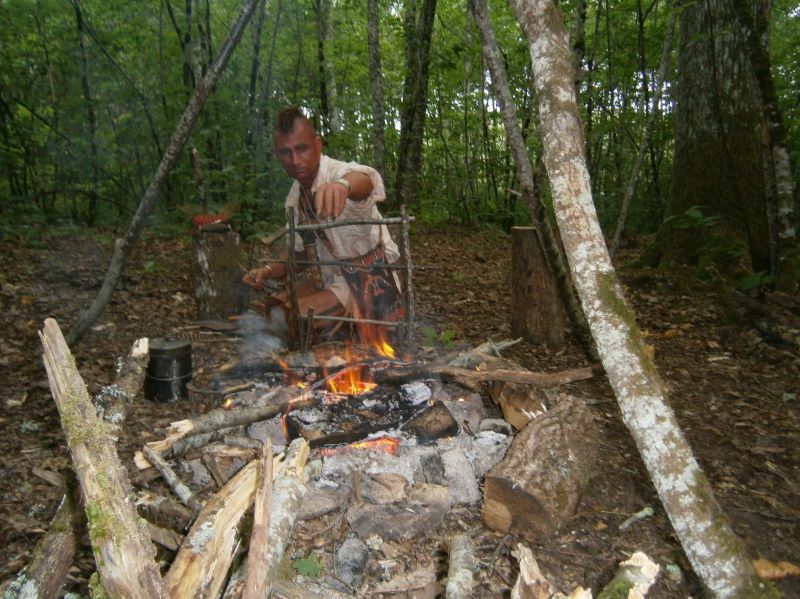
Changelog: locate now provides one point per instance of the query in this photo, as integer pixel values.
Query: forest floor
(734, 391)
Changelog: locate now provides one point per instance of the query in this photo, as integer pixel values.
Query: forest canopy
(90, 92)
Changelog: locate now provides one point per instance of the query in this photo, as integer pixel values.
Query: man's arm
(330, 197)
(272, 270)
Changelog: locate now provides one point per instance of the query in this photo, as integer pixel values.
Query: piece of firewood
(461, 568)
(538, 484)
(255, 586)
(221, 418)
(530, 584)
(633, 579)
(202, 562)
(51, 559)
(114, 402)
(397, 374)
(164, 536)
(164, 512)
(183, 492)
(123, 552)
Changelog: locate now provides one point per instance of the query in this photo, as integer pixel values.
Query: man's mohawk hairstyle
(288, 117)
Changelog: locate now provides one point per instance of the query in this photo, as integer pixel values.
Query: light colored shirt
(350, 241)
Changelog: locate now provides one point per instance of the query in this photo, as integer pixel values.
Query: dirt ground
(733, 387)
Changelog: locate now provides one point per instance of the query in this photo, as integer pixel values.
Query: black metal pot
(169, 369)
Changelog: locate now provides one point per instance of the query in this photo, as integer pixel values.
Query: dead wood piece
(164, 512)
(284, 399)
(465, 376)
(164, 536)
(255, 585)
(202, 562)
(123, 552)
(114, 402)
(183, 492)
(51, 559)
(634, 578)
(539, 482)
(531, 584)
(462, 567)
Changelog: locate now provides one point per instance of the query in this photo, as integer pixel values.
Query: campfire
(380, 447)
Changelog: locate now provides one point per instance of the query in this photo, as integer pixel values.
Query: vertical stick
(409, 285)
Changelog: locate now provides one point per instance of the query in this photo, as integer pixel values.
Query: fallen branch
(183, 492)
(461, 568)
(122, 549)
(398, 374)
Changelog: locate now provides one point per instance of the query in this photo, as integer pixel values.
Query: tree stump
(220, 292)
(539, 482)
(537, 313)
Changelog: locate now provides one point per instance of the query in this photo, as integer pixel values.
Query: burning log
(123, 552)
(461, 568)
(539, 482)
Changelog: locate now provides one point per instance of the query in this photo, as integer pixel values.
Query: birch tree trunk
(715, 553)
(376, 81)
(168, 160)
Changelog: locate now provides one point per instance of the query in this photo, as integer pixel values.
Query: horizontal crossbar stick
(386, 323)
(347, 223)
(349, 263)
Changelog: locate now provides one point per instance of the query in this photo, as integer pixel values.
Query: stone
(460, 477)
(383, 487)
(351, 560)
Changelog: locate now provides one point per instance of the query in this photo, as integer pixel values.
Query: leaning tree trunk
(525, 176)
(376, 81)
(150, 198)
(715, 553)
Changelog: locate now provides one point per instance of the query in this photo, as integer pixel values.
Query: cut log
(537, 313)
(255, 585)
(122, 549)
(539, 482)
(461, 570)
(220, 292)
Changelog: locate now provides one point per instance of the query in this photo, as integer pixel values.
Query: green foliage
(756, 280)
(692, 218)
(310, 565)
(431, 337)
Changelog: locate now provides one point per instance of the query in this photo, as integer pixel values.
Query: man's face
(299, 151)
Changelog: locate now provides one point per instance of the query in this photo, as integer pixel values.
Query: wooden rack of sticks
(303, 323)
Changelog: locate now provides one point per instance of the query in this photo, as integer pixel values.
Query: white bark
(715, 553)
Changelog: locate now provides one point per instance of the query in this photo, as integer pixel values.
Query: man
(328, 190)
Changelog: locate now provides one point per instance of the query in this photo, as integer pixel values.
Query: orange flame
(352, 381)
(390, 445)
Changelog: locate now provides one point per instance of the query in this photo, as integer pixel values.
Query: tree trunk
(124, 555)
(220, 292)
(715, 553)
(645, 143)
(536, 310)
(525, 173)
(418, 33)
(329, 100)
(254, 107)
(150, 198)
(718, 150)
(783, 237)
(376, 81)
(91, 119)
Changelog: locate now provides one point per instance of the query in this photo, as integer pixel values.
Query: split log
(164, 536)
(164, 512)
(255, 585)
(633, 579)
(530, 584)
(123, 552)
(537, 313)
(202, 563)
(461, 568)
(220, 292)
(539, 482)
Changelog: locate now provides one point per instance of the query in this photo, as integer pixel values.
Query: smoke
(261, 336)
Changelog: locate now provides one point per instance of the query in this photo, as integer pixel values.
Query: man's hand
(330, 199)
(255, 277)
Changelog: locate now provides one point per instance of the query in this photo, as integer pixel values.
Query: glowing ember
(390, 445)
(229, 403)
